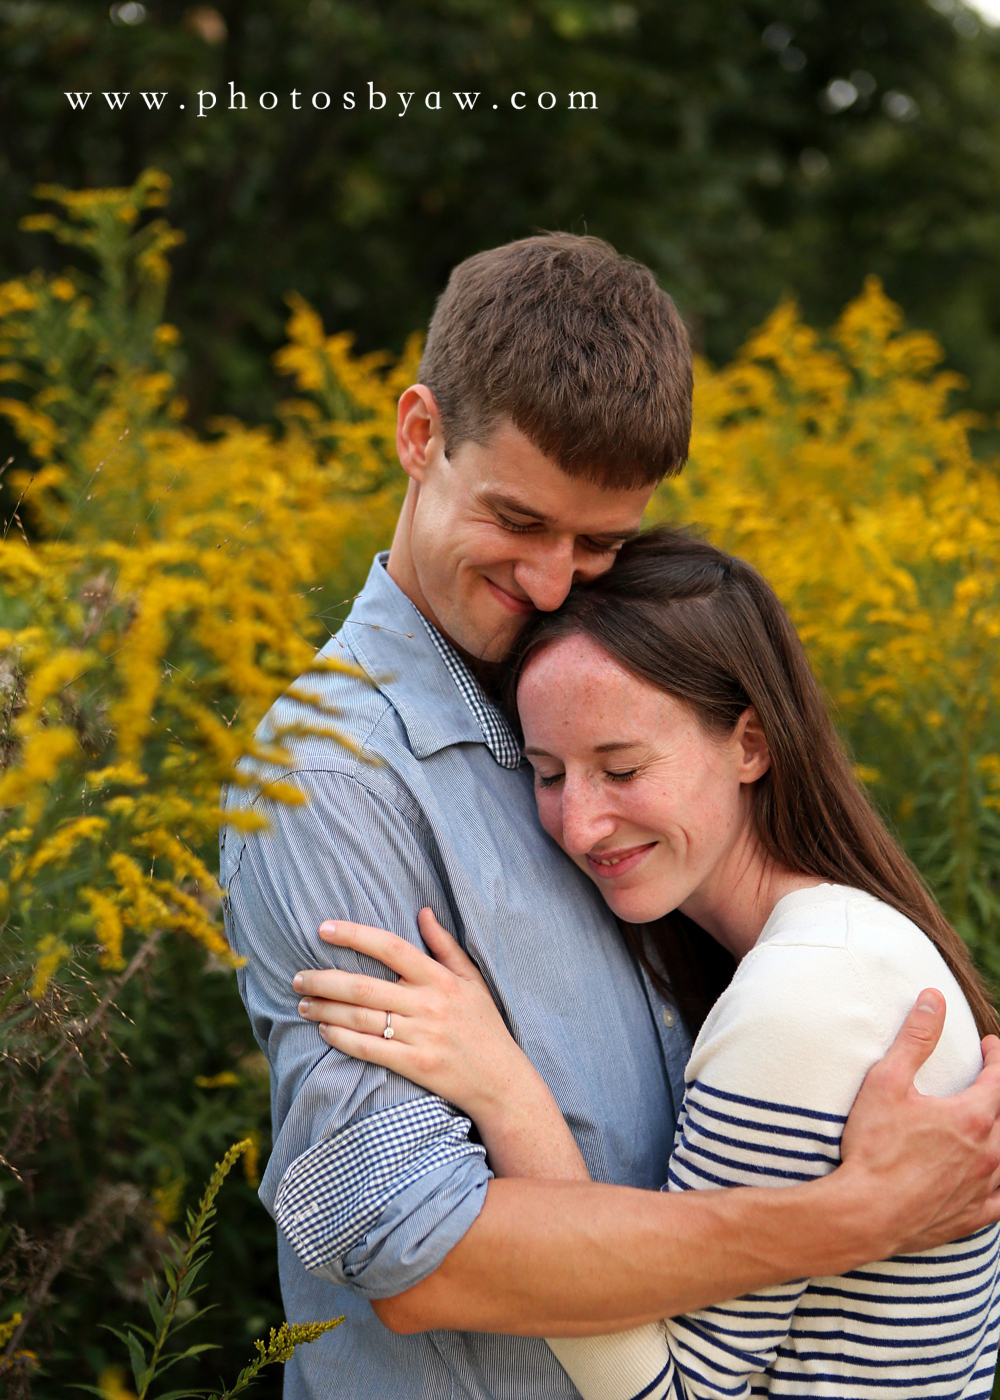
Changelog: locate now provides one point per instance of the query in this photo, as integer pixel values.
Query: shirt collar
(430, 686)
(497, 733)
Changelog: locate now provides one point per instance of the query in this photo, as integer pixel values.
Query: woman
(684, 759)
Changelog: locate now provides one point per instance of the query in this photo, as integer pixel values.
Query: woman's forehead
(575, 683)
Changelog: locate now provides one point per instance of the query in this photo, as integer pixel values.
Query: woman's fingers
(388, 948)
(373, 1048)
(330, 984)
(362, 1019)
(446, 949)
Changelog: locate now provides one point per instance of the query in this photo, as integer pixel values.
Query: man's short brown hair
(573, 343)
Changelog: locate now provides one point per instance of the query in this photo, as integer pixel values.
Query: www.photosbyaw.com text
(373, 100)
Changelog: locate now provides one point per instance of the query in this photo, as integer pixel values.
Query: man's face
(498, 531)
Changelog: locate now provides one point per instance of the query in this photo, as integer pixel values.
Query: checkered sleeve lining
(331, 1196)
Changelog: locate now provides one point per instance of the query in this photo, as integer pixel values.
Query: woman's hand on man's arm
(448, 1037)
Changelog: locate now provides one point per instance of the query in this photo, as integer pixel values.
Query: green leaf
(190, 1276)
(153, 1303)
(137, 1356)
(164, 1364)
(194, 1317)
(11, 1021)
(115, 1331)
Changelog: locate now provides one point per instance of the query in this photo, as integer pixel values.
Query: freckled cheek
(650, 810)
(550, 813)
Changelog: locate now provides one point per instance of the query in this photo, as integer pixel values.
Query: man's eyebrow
(497, 500)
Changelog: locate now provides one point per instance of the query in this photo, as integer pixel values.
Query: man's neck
(491, 675)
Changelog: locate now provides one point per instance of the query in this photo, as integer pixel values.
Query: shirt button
(668, 1017)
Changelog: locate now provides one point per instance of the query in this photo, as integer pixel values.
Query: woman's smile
(612, 865)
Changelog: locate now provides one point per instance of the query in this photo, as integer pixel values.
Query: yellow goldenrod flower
(52, 953)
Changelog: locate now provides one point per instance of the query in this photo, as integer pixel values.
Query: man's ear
(755, 757)
(418, 430)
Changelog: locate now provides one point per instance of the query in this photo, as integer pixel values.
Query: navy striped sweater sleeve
(770, 1083)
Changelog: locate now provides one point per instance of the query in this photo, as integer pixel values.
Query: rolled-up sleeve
(372, 1180)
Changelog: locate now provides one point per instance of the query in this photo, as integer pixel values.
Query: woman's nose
(584, 820)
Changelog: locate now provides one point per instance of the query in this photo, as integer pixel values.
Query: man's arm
(371, 1179)
(577, 1259)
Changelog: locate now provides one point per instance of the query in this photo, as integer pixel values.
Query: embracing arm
(549, 1259)
(557, 1257)
(381, 1229)
(570, 1259)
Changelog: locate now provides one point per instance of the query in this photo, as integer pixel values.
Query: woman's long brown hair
(706, 628)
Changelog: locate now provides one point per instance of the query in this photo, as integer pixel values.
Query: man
(554, 394)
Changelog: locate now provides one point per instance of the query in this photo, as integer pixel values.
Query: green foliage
(182, 1263)
(172, 1078)
(170, 591)
(714, 155)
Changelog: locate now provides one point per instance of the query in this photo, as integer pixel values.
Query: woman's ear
(418, 430)
(755, 757)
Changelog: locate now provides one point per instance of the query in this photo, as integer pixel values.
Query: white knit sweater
(770, 1082)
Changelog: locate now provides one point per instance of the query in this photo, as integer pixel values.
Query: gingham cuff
(331, 1196)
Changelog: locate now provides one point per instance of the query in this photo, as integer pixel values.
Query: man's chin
(491, 647)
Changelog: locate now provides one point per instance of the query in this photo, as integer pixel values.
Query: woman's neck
(737, 900)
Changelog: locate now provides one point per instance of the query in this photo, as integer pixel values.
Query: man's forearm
(553, 1258)
(575, 1259)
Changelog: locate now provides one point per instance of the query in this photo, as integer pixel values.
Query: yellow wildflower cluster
(167, 595)
(112, 1384)
(837, 467)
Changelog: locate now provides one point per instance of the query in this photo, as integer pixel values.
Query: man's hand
(930, 1166)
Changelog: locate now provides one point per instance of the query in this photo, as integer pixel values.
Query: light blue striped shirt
(372, 1181)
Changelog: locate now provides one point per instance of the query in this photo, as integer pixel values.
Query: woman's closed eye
(547, 780)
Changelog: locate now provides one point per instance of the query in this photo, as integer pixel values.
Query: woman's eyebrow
(615, 747)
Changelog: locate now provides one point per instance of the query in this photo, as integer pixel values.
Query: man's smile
(521, 606)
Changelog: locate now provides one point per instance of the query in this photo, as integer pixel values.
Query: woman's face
(654, 807)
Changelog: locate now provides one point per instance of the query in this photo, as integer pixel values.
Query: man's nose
(546, 574)
(584, 821)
